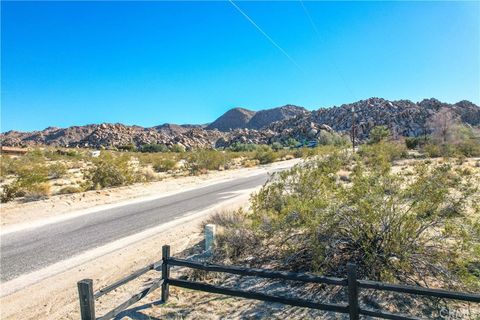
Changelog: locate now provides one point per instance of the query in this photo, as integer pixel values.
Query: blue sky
(74, 63)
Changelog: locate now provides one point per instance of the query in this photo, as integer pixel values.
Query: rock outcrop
(264, 118)
(403, 117)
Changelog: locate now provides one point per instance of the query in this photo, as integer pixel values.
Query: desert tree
(443, 124)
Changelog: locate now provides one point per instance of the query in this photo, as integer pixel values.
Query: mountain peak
(232, 119)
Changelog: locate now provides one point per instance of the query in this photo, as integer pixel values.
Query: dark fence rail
(353, 286)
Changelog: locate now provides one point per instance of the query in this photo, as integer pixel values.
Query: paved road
(29, 250)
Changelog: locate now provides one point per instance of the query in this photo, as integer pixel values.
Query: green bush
(164, 165)
(326, 138)
(31, 181)
(201, 160)
(393, 226)
(242, 147)
(276, 146)
(153, 147)
(378, 134)
(412, 142)
(109, 172)
(265, 157)
(291, 143)
(32, 175)
(178, 148)
(469, 148)
(127, 147)
(57, 170)
(382, 153)
(10, 192)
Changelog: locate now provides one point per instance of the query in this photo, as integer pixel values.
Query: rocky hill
(232, 119)
(240, 118)
(264, 118)
(403, 117)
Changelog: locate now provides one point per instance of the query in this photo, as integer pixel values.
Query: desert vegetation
(48, 171)
(411, 221)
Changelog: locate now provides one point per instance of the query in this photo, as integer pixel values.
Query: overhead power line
(337, 69)
(265, 34)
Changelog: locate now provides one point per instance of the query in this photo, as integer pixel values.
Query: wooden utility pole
(353, 128)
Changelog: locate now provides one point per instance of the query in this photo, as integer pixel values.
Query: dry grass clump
(70, 190)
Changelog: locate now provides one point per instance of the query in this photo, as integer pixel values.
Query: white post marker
(209, 237)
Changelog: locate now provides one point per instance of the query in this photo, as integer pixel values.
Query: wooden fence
(353, 285)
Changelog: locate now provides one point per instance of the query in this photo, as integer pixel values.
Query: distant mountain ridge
(403, 117)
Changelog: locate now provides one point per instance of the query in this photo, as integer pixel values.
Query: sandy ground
(56, 297)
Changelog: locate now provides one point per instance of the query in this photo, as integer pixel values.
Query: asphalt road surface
(28, 250)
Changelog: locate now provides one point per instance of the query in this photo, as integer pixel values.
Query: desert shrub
(299, 152)
(31, 181)
(7, 166)
(412, 142)
(10, 192)
(69, 153)
(291, 143)
(153, 147)
(247, 163)
(70, 190)
(432, 150)
(201, 160)
(440, 150)
(32, 175)
(108, 172)
(148, 174)
(57, 170)
(266, 156)
(326, 138)
(469, 148)
(412, 229)
(178, 148)
(242, 147)
(276, 146)
(164, 165)
(378, 134)
(234, 236)
(382, 152)
(37, 191)
(127, 147)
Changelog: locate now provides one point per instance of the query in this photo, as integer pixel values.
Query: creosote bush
(164, 165)
(109, 171)
(203, 160)
(265, 154)
(419, 228)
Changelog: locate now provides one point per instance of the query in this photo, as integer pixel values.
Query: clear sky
(74, 63)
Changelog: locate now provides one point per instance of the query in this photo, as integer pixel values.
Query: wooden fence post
(352, 291)
(165, 272)
(87, 301)
(209, 238)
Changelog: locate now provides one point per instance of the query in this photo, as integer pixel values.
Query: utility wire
(265, 35)
(314, 26)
